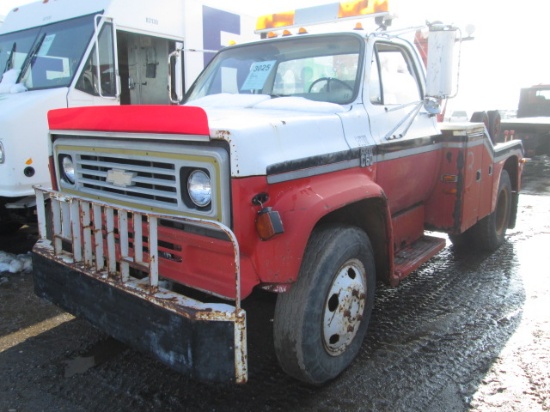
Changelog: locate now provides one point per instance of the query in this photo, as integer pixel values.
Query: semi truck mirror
(439, 70)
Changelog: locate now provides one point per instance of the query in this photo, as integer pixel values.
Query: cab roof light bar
(326, 13)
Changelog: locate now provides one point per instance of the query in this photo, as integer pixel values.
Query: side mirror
(439, 69)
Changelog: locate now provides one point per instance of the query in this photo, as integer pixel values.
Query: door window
(393, 80)
(106, 83)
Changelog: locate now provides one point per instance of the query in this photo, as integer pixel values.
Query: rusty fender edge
(203, 341)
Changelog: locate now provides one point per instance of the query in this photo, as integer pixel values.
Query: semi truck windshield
(47, 56)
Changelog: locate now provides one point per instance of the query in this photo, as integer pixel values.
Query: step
(409, 259)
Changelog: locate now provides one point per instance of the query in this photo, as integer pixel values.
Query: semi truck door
(97, 82)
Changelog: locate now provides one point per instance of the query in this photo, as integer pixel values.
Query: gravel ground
(466, 332)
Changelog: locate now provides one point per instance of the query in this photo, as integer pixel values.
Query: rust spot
(223, 134)
(173, 299)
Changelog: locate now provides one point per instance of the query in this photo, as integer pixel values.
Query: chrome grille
(153, 180)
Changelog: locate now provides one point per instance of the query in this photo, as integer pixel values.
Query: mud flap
(200, 349)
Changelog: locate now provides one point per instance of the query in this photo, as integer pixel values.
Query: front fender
(302, 203)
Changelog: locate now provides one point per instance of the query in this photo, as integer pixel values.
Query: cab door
(97, 82)
(406, 152)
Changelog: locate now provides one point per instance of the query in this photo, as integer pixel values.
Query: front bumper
(85, 269)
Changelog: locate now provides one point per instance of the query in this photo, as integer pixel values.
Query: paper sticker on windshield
(46, 45)
(259, 72)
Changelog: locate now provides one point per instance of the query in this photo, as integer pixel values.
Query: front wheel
(320, 323)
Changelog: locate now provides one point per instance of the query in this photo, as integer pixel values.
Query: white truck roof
(40, 13)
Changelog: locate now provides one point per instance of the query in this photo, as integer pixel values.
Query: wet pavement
(464, 332)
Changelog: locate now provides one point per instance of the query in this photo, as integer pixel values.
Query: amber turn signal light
(268, 223)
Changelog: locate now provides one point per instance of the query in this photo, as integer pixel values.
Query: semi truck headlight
(1, 153)
(199, 188)
(67, 169)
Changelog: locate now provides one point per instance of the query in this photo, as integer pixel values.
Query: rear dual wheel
(489, 233)
(321, 322)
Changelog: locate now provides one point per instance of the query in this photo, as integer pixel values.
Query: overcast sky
(509, 50)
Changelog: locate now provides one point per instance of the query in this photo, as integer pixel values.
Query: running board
(409, 259)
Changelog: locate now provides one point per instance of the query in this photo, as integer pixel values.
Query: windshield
(46, 56)
(321, 68)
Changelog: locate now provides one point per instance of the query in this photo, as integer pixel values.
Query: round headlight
(68, 169)
(199, 188)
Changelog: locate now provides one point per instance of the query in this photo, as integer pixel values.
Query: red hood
(139, 118)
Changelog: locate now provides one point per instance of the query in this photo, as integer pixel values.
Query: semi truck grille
(150, 180)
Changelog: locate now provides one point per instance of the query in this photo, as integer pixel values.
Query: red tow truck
(308, 165)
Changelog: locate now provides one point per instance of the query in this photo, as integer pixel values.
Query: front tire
(320, 323)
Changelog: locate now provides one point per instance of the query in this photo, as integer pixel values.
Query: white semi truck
(68, 53)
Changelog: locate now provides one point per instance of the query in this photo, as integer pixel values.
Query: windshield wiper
(9, 62)
(32, 52)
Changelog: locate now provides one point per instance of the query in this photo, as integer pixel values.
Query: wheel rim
(344, 307)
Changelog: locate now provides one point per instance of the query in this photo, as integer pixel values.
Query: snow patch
(15, 263)
(8, 83)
